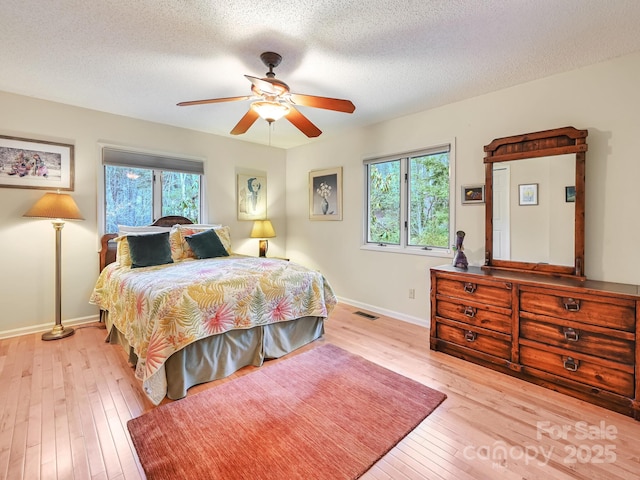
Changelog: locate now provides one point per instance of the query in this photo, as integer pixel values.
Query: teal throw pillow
(206, 244)
(149, 250)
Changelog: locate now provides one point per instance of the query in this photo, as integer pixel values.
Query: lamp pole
(58, 330)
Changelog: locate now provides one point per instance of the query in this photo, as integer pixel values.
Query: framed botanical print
(325, 194)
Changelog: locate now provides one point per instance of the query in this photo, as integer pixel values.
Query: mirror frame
(546, 143)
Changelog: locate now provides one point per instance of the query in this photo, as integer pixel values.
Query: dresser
(576, 337)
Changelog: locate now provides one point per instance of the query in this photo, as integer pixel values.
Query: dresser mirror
(535, 202)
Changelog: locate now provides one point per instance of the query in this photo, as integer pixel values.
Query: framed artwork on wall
(325, 194)
(472, 194)
(26, 163)
(252, 196)
(528, 194)
(570, 194)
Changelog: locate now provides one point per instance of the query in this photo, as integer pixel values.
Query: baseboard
(387, 313)
(94, 318)
(47, 327)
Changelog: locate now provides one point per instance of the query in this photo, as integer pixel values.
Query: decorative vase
(460, 260)
(325, 206)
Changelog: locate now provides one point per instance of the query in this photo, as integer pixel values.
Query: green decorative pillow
(224, 234)
(148, 250)
(206, 244)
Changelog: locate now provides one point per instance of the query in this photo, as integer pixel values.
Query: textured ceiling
(138, 58)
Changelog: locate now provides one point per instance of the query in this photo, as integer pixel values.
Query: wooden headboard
(109, 247)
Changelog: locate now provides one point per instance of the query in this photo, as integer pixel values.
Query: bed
(188, 310)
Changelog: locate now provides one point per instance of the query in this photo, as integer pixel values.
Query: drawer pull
(470, 287)
(571, 304)
(571, 335)
(571, 364)
(470, 336)
(470, 311)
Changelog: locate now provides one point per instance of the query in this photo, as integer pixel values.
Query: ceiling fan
(273, 100)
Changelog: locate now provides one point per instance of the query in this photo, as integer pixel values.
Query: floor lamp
(57, 206)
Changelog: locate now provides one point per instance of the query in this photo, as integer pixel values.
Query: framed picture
(325, 194)
(26, 163)
(252, 196)
(528, 194)
(570, 194)
(472, 194)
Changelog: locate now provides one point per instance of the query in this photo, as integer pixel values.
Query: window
(139, 188)
(409, 204)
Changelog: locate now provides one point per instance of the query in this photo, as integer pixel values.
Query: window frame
(163, 162)
(403, 247)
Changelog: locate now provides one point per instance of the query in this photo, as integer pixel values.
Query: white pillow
(202, 225)
(127, 229)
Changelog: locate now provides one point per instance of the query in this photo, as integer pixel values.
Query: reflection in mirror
(542, 233)
(535, 233)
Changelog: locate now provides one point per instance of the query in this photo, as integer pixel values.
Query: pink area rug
(321, 414)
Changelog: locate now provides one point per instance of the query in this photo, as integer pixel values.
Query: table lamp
(263, 229)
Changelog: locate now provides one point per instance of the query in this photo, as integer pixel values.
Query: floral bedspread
(162, 309)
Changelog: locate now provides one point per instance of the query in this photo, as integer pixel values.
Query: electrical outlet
(412, 293)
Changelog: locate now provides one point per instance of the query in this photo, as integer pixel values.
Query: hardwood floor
(64, 406)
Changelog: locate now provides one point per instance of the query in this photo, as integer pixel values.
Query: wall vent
(365, 315)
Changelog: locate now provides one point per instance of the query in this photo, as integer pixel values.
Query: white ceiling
(138, 58)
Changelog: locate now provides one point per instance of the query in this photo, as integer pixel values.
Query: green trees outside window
(408, 200)
(429, 201)
(131, 199)
(181, 195)
(384, 202)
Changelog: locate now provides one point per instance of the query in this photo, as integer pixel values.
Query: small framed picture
(472, 194)
(528, 194)
(570, 194)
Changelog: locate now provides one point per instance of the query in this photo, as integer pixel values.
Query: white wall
(602, 98)
(27, 256)
(553, 239)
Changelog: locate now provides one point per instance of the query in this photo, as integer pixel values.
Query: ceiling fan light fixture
(270, 111)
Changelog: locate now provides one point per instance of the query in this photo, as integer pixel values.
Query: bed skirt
(221, 355)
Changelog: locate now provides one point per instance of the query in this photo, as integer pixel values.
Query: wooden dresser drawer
(579, 338)
(491, 293)
(580, 368)
(493, 318)
(592, 309)
(576, 336)
(476, 339)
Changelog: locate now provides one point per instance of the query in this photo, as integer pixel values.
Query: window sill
(442, 253)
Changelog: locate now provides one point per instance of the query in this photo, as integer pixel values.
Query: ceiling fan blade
(245, 122)
(263, 85)
(323, 102)
(213, 100)
(302, 123)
